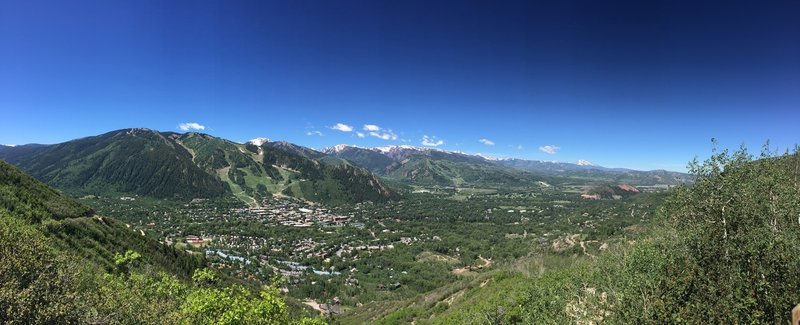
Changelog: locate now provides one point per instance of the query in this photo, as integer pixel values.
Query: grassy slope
(75, 228)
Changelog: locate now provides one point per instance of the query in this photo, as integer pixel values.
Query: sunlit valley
(327, 163)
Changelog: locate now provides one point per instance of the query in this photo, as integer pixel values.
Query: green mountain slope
(426, 170)
(373, 160)
(61, 264)
(429, 167)
(192, 165)
(74, 227)
(29, 199)
(136, 161)
(279, 168)
(425, 166)
(319, 181)
(600, 174)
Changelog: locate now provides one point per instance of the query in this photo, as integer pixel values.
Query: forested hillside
(62, 264)
(187, 166)
(130, 161)
(590, 172)
(255, 172)
(433, 167)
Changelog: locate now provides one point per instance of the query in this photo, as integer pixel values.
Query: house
(195, 241)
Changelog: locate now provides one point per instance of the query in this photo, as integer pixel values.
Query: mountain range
(427, 165)
(434, 167)
(585, 171)
(196, 165)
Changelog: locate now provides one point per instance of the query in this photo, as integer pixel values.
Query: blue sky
(640, 84)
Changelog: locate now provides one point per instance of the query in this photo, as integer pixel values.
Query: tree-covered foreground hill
(726, 251)
(62, 264)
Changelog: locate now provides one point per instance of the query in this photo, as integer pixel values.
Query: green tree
(37, 285)
(729, 253)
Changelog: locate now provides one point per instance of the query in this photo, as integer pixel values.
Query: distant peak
(133, 131)
(258, 141)
(487, 157)
(10, 145)
(338, 148)
(388, 149)
(581, 162)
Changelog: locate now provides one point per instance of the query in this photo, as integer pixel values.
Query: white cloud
(549, 149)
(385, 135)
(486, 142)
(371, 127)
(317, 133)
(520, 147)
(378, 132)
(342, 127)
(191, 126)
(431, 141)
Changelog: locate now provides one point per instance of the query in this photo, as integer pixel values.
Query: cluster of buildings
(298, 240)
(295, 215)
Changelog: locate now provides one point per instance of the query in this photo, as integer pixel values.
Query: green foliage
(234, 305)
(37, 285)
(98, 239)
(206, 304)
(738, 239)
(27, 198)
(145, 298)
(138, 298)
(205, 277)
(124, 261)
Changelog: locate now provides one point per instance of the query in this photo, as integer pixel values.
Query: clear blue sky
(641, 84)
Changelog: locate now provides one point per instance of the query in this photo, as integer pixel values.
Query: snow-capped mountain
(259, 141)
(405, 161)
